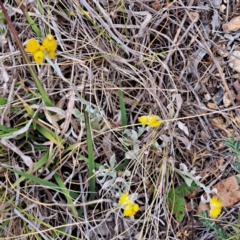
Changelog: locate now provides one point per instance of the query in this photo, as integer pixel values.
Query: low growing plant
(176, 201)
(234, 146)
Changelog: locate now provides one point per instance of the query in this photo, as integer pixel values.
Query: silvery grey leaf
(215, 20)
(216, 3)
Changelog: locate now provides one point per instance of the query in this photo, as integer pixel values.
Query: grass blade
(40, 181)
(122, 105)
(91, 162)
(66, 193)
(37, 166)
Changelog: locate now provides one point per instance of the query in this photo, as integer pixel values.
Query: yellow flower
(215, 202)
(38, 57)
(135, 207)
(214, 212)
(131, 209)
(124, 199)
(49, 43)
(32, 45)
(42, 48)
(143, 119)
(152, 121)
(216, 207)
(51, 54)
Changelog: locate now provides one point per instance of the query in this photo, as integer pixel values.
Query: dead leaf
(226, 100)
(222, 8)
(195, 16)
(27, 160)
(156, 5)
(183, 127)
(234, 61)
(237, 119)
(179, 102)
(236, 86)
(232, 26)
(184, 140)
(203, 207)
(218, 166)
(212, 106)
(189, 207)
(217, 122)
(222, 50)
(207, 96)
(228, 193)
(171, 110)
(220, 162)
(3, 40)
(203, 134)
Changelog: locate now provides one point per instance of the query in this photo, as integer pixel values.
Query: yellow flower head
(131, 209)
(51, 54)
(216, 207)
(143, 119)
(38, 57)
(124, 199)
(32, 45)
(214, 212)
(42, 48)
(50, 36)
(135, 207)
(152, 121)
(215, 202)
(49, 43)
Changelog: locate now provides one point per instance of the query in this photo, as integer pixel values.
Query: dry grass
(166, 60)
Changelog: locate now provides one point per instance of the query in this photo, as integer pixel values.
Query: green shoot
(66, 193)
(91, 162)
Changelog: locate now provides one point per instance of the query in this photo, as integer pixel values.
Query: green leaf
(179, 217)
(221, 233)
(176, 201)
(91, 162)
(50, 135)
(40, 181)
(37, 166)
(66, 193)
(3, 100)
(184, 189)
(237, 145)
(32, 24)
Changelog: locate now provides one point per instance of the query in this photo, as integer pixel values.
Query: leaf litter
(178, 60)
